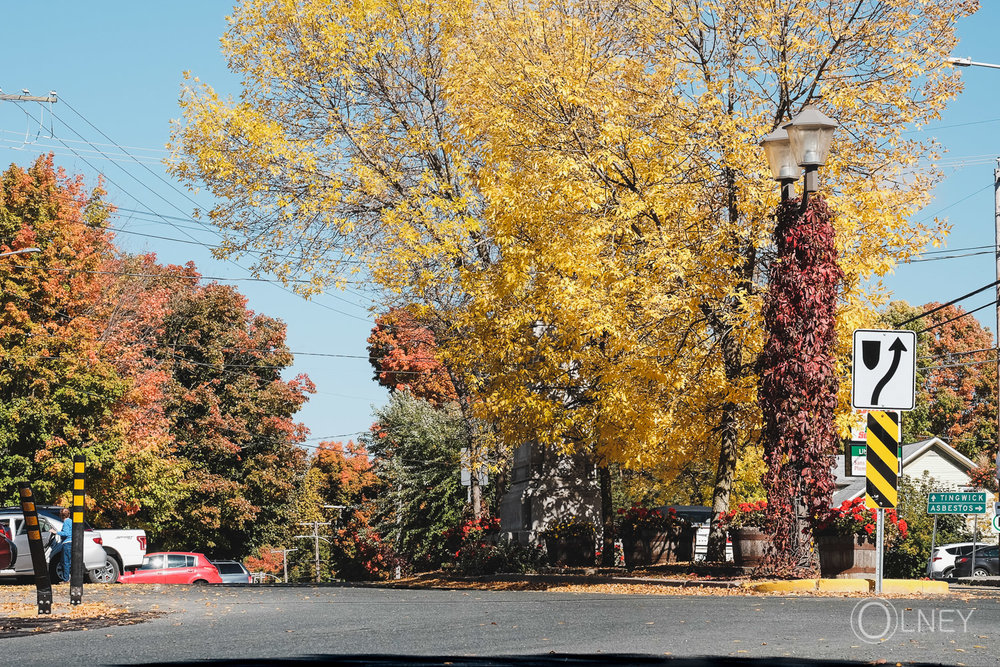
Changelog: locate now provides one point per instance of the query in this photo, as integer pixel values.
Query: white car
(94, 556)
(942, 560)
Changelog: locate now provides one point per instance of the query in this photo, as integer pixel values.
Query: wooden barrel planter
(573, 552)
(846, 557)
(749, 545)
(659, 547)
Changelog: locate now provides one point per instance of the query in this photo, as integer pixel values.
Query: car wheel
(56, 571)
(199, 582)
(980, 572)
(948, 573)
(107, 574)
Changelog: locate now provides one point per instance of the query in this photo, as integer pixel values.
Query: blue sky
(118, 65)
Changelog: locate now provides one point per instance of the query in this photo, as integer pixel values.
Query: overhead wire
(950, 303)
(174, 188)
(154, 213)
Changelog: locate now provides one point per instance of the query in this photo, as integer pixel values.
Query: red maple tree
(404, 355)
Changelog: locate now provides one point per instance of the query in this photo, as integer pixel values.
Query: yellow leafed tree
(572, 192)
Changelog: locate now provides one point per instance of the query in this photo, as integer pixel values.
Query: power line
(958, 317)
(141, 203)
(950, 303)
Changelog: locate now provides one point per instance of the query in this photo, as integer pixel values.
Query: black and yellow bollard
(76, 546)
(42, 584)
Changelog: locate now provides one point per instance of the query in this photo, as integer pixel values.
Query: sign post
(883, 379)
(43, 586)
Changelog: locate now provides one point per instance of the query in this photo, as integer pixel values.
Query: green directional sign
(963, 502)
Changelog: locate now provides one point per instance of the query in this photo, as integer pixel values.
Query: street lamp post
(799, 312)
(804, 143)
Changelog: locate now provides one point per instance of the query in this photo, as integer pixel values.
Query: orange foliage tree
(404, 355)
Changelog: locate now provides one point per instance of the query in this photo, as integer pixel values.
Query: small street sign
(996, 524)
(883, 369)
(882, 461)
(965, 502)
(856, 454)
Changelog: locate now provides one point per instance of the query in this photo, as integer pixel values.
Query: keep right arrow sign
(884, 369)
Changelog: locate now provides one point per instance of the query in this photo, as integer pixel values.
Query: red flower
(869, 528)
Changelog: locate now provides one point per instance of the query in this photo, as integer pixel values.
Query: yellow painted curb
(903, 586)
(890, 586)
(845, 585)
(791, 586)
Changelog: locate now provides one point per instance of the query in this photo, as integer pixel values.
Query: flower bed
(570, 542)
(845, 539)
(654, 537)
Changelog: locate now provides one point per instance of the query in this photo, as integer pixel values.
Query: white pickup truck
(122, 549)
(125, 550)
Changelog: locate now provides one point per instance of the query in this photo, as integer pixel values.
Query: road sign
(856, 454)
(965, 502)
(882, 463)
(884, 369)
(996, 524)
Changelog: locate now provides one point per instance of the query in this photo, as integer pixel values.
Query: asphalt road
(261, 622)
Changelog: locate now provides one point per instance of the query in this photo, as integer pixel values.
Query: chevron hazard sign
(882, 463)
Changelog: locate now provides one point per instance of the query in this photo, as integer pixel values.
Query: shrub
(746, 515)
(636, 519)
(853, 518)
(570, 529)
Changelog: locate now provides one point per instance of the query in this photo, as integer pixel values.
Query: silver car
(12, 518)
(942, 561)
(232, 572)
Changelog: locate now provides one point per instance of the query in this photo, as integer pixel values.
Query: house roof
(849, 488)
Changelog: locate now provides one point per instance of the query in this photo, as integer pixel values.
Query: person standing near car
(66, 533)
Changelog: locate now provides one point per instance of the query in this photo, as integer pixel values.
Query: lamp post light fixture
(804, 142)
(22, 251)
(784, 169)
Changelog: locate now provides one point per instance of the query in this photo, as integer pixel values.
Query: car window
(176, 560)
(152, 563)
(966, 550)
(192, 561)
(230, 568)
(991, 553)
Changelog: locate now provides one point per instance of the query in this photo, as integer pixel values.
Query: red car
(173, 567)
(8, 552)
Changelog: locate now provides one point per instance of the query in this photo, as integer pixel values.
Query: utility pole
(316, 538)
(7, 97)
(996, 228)
(284, 559)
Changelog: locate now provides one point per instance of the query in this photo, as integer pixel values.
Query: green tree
(417, 450)
(57, 390)
(231, 420)
(908, 559)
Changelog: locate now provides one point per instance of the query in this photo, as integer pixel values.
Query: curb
(894, 586)
(588, 579)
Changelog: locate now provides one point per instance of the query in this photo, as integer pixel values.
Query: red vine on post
(798, 385)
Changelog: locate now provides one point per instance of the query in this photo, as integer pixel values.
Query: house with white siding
(947, 466)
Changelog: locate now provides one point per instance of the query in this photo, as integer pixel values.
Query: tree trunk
(607, 517)
(724, 476)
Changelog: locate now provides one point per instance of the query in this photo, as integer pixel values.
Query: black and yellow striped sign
(882, 463)
(76, 546)
(43, 586)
